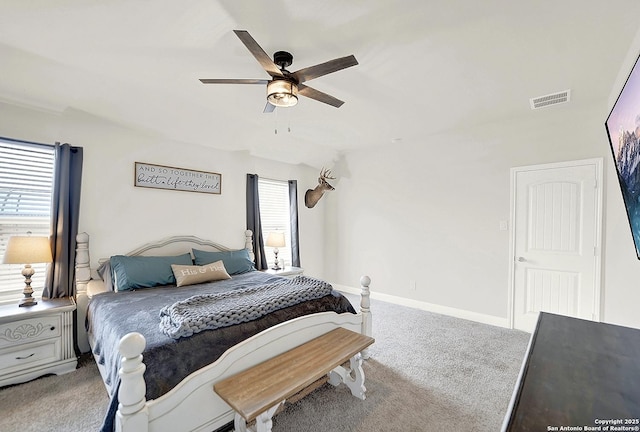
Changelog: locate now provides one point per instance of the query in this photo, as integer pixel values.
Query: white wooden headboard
(175, 245)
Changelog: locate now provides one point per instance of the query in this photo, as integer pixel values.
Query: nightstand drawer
(30, 355)
(30, 330)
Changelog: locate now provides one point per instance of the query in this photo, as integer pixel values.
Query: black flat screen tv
(623, 129)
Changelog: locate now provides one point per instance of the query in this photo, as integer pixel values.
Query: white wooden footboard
(193, 405)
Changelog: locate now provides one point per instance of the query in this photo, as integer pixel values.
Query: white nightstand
(36, 340)
(288, 272)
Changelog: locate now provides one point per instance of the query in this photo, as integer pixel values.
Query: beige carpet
(74, 402)
(427, 372)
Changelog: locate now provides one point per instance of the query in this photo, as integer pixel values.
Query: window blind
(274, 216)
(26, 184)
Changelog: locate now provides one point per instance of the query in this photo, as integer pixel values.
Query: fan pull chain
(276, 131)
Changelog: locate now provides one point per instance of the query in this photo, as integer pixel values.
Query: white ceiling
(426, 67)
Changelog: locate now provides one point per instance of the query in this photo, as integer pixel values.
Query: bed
(158, 382)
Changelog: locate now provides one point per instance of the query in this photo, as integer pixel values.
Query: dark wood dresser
(577, 373)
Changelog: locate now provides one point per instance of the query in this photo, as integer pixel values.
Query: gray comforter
(112, 315)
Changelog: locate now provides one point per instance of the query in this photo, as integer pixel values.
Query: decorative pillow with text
(190, 275)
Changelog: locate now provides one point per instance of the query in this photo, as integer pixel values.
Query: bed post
(248, 244)
(132, 414)
(83, 275)
(365, 310)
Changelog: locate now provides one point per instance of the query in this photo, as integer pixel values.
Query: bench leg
(352, 378)
(263, 421)
(239, 425)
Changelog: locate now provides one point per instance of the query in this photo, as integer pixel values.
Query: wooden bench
(256, 393)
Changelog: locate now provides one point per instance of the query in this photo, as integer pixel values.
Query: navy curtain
(253, 221)
(65, 211)
(293, 214)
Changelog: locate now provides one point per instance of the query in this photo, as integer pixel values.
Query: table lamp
(275, 240)
(27, 250)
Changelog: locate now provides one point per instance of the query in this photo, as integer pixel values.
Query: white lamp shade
(275, 239)
(27, 250)
(282, 93)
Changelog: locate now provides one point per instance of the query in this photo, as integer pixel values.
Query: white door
(556, 236)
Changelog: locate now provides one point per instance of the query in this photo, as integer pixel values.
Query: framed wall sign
(166, 177)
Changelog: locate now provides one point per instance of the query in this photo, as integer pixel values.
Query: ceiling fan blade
(233, 81)
(321, 69)
(257, 51)
(319, 96)
(268, 108)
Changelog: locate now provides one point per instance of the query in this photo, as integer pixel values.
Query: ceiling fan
(284, 87)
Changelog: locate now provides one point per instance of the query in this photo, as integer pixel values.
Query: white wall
(428, 211)
(120, 217)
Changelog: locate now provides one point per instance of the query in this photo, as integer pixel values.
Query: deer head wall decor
(312, 196)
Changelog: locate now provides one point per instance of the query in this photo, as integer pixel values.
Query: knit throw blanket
(212, 311)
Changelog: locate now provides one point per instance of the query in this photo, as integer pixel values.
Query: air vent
(550, 99)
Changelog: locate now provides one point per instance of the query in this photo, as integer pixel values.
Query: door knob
(521, 259)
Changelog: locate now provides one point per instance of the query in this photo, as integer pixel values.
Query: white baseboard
(430, 307)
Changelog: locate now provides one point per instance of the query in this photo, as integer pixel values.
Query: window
(274, 216)
(26, 184)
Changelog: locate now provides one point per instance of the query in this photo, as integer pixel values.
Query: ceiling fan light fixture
(282, 93)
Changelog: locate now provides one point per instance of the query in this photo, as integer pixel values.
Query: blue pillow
(236, 262)
(132, 272)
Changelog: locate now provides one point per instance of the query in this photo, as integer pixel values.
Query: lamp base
(26, 302)
(28, 299)
(276, 266)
